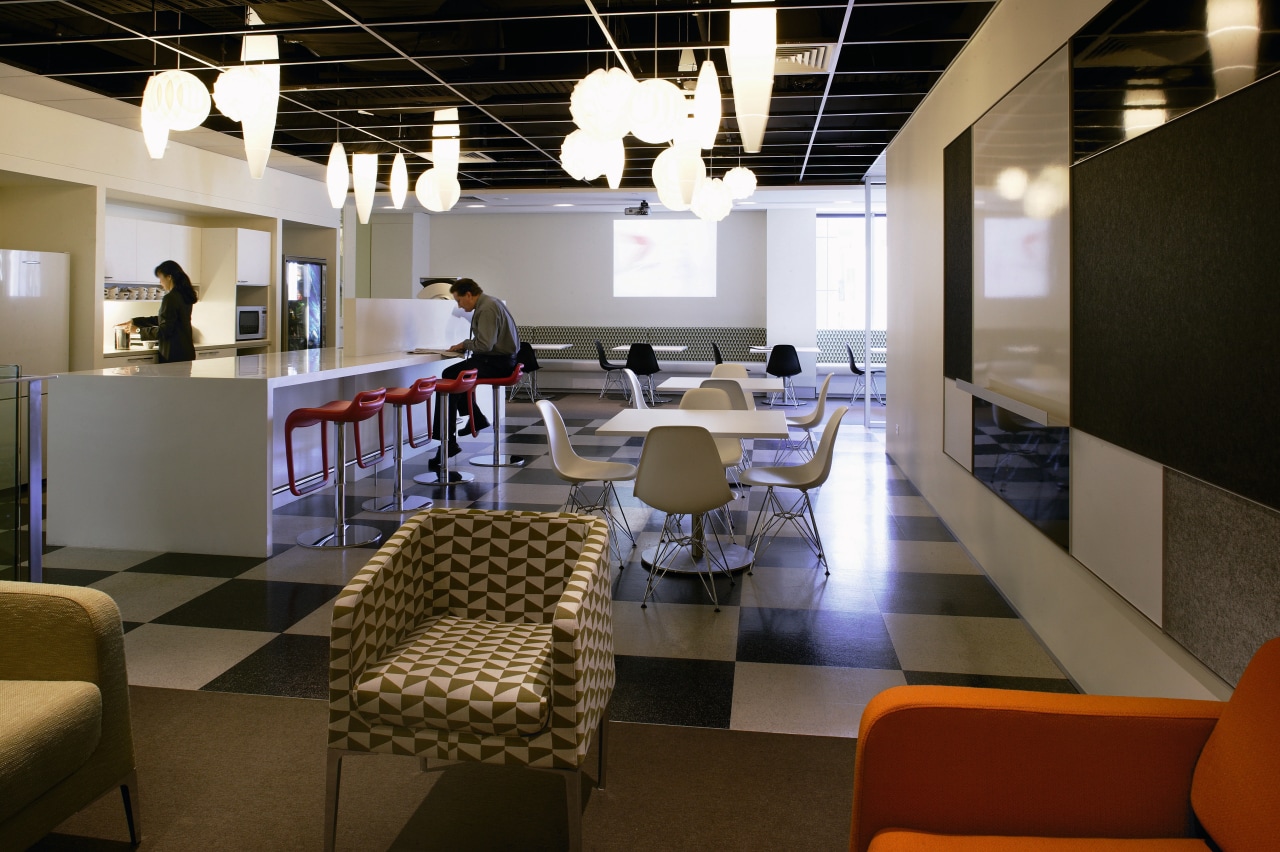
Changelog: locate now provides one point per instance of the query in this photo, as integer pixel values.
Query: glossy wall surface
(1021, 243)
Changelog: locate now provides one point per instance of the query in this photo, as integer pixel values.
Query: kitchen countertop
(276, 368)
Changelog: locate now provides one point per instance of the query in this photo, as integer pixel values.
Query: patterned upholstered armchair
(476, 636)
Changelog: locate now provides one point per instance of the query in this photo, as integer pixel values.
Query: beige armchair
(64, 709)
(479, 636)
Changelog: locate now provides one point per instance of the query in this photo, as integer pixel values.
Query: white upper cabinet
(253, 258)
(121, 250)
(135, 247)
(237, 257)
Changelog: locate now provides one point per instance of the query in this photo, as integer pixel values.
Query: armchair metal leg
(573, 795)
(132, 807)
(333, 777)
(602, 748)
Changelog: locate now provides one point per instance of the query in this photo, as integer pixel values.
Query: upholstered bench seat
(463, 674)
(918, 841)
(50, 729)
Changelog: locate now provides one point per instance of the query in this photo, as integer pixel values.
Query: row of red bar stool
(365, 406)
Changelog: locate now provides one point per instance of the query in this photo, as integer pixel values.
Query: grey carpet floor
(243, 772)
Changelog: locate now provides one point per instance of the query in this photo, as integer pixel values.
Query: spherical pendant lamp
(436, 191)
(601, 103)
(657, 107)
(364, 175)
(676, 174)
(337, 179)
(399, 181)
(711, 201)
(587, 157)
(741, 182)
(178, 98)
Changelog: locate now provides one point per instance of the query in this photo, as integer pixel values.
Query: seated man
(493, 345)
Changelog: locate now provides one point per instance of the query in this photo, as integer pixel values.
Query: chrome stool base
(344, 535)
(498, 460)
(455, 477)
(387, 505)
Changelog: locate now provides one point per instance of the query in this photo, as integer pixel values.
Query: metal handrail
(35, 474)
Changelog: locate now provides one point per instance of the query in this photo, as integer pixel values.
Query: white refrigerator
(35, 322)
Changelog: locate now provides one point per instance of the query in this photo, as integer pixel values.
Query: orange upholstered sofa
(947, 769)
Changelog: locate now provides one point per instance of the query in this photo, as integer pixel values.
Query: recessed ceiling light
(746, 202)
(475, 205)
(561, 205)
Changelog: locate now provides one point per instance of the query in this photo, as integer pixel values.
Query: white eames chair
(803, 478)
(739, 400)
(637, 395)
(680, 474)
(714, 399)
(577, 471)
(729, 371)
(808, 422)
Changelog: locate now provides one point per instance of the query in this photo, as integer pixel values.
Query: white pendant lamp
(155, 133)
(753, 45)
(437, 191)
(445, 154)
(250, 95)
(364, 174)
(587, 157)
(1233, 27)
(399, 181)
(706, 105)
(601, 103)
(741, 182)
(1144, 109)
(711, 201)
(337, 178)
(677, 172)
(657, 107)
(178, 98)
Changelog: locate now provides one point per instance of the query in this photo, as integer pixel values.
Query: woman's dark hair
(181, 281)
(465, 287)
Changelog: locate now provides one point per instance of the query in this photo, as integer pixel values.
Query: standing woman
(173, 326)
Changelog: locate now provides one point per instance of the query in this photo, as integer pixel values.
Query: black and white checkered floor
(791, 651)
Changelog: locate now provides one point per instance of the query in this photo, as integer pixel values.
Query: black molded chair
(642, 361)
(784, 363)
(527, 358)
(864, 381)
(715, 352)
(613, 373)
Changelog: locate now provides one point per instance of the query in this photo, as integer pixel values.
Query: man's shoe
(479, 421)
(434, 464)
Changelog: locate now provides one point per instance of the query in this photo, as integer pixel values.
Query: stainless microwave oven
(251, 323)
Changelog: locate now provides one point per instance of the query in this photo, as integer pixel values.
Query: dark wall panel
(1221, 574)
(957, 295)
(1175, 319)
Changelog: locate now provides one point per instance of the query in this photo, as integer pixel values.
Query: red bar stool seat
(420, 391)
(498, 459)
(365, 405)
(464, 382)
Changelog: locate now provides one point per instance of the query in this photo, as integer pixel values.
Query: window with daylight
(842, 273)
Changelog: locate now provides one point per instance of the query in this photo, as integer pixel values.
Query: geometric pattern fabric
(461, 674)
(547, 571)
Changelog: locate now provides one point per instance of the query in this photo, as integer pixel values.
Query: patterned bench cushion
(461, 674)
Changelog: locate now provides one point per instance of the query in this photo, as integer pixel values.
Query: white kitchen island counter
(185, 457)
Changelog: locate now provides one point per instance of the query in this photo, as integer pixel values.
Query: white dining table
(749, 385)
(665, 349)
(760, 350)
(550, 347)
(634, 422)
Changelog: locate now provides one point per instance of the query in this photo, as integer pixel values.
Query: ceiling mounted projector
(642, 210)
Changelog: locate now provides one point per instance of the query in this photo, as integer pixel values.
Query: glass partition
(10, 481)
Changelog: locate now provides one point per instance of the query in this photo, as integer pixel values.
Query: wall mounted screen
(1021, 243)
(664, 258)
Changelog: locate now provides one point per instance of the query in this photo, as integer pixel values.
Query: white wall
(557, 269)
(1107, 645)
(792, 267)
(50, 143)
